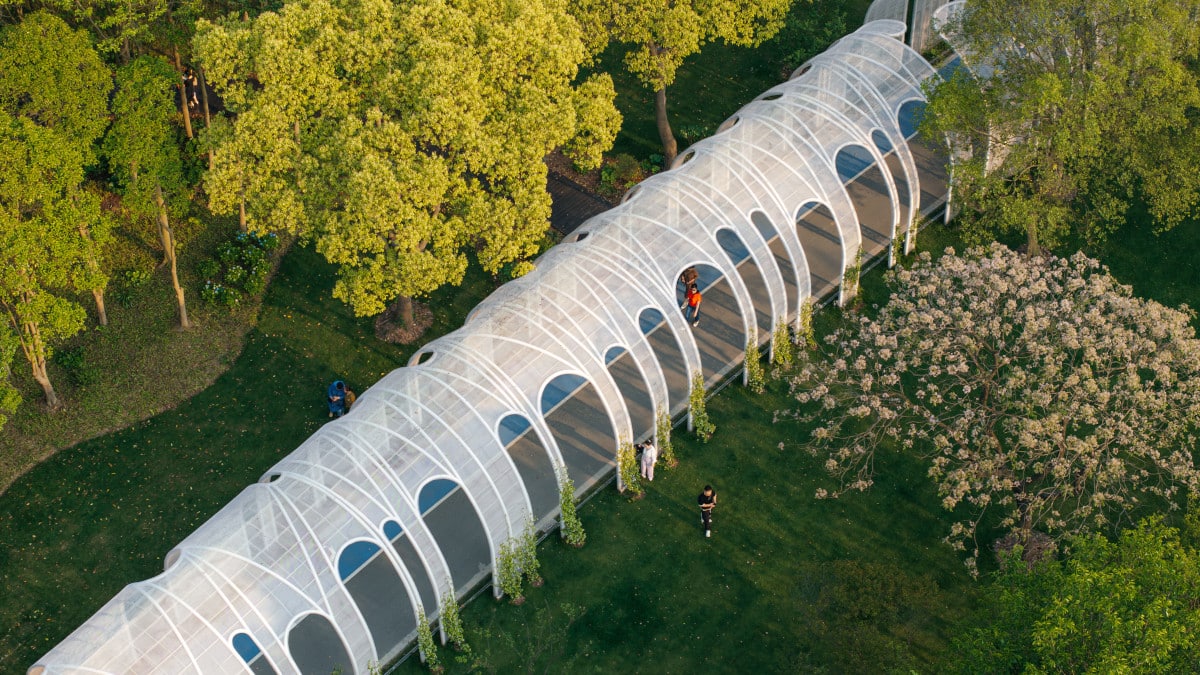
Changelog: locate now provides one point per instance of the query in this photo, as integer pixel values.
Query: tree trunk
(94, 264)
(43, 379)
(183, 104)
(30, 339)
(207, 117)
(404, 304)
(242, 214)
(670, 148)
(1033, 249)
(164, 230)
(101, 313)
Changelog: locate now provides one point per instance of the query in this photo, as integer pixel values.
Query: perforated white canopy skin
(270, 557)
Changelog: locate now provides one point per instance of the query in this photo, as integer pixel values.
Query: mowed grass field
(787, 583)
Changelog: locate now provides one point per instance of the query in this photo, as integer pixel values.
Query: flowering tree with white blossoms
(1037, 386)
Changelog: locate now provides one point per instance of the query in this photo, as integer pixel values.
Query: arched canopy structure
(410, 495)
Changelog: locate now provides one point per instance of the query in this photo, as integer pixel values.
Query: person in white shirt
(649, 459)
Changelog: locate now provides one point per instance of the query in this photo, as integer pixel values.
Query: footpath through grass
(104, 513)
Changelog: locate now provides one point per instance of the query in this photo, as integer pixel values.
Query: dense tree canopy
(1090, 105)
(660, 34)
(1129, 606)
(53, 76)
(53, 108)
(397, 135)
(40, 247)
(1037, 387)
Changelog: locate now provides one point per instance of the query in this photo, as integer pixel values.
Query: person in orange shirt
(692, 305)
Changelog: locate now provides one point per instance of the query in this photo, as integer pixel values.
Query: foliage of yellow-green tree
(142, 152)
(53, 77)
(40, 247)
(53, 107)
(398, 136)
(660, 34)
(9, 397)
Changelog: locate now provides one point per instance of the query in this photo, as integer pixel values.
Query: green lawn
(786, 584)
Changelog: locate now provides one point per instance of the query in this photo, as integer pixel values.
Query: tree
(1039, 387)
(398, 136)
(40, 248)
(660, 34)
(1130, 605)
(142, 150)
(1090, 107)
(53, 77)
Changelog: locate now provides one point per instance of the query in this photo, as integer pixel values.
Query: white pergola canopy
(407, 498)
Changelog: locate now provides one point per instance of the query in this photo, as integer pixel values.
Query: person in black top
(707, 501)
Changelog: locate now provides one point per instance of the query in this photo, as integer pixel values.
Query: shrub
(508, 571)
(695, 132)
(806, 337)
(129, 283)
(528, 559)
(572, 528)
(452, 620)
(756, 379)
(662, 431)
(781, 344)
(425, 642)
(700, 422)
(627, 466)
(240, 267)
(627, 171)
(79, 371)
(208, 269)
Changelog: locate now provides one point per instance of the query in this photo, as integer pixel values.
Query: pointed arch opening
(932, 159)
(631, 382)
(457, 529)
(720, 334)
(521, 442)
(252, 654)
(787, 269)
(669, 353)
(752, 279)
(869, 193)
(379, 592)
(411, 560)
(822, 242)
(581, 428)
(316, 647)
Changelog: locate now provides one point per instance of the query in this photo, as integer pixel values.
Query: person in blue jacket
(337, 399)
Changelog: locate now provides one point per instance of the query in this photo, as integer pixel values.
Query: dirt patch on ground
(558, 163)
(389, 328)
